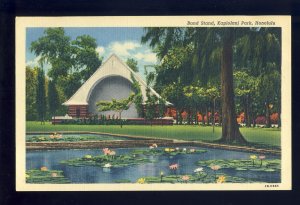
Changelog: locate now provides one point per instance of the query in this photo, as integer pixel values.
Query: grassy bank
(267, 136)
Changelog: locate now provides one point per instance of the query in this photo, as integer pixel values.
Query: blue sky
(124, 42)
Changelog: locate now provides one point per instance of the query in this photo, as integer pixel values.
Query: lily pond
(151, 165)
(73, 137)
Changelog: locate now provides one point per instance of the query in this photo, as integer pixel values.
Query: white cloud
(123, 49)
(146, 57)
(100, 50)
(34, 62)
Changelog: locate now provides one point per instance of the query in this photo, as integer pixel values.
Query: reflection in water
(92, 174)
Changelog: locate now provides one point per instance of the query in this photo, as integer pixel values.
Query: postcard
(136, 103)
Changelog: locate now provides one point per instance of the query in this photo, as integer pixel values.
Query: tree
(270, 93)
(132, 64)
(173, 92)
(54, 48)
(213, 53)
(138, 100)
(87, 60)
(31, 86)
(213, 93)
(116, 105)
(71, 62)
(41, 95)
(151, 101)
(53, 99)
(245, 89)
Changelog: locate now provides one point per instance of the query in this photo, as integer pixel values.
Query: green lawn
(267, 136)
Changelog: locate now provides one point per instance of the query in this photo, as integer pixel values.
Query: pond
(157, 163)
(75, 137)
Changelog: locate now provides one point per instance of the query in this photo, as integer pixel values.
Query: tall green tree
(133, 64)
(213, 93)
(173, 92)
(71, 62)
(245, 89)
(86, 58)
(270, 93)
(55, 49)
(41, 95)
(53, 99)
(31, 86)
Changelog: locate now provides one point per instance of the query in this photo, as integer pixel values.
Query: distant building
(111, 80)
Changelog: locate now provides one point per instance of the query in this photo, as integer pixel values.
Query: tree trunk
(177, 116)
(213, 115)
(279, 117)
(207, 117)
(247, 115)
(268, 119)
(230, 129)
(120, 116)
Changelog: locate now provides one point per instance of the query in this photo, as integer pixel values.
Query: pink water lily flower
(262, 157)
(106, 151)
(154, 145)
(185, 178)
(215, 167)
(54, 174)
(173, 166)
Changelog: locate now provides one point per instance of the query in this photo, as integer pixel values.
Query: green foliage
(71, 62)
(197, 55)
(41, 95)
(208, 178)
(53, 98)
(87, 59)
(31, 86)
(101, 160)
(133, 64)
(266, 165)
(245, 84)
(35, 176)
(138, 100)
(151, 101)
(269, 88)
(167, 151)
(116, 105)
(54, 48)
(72, 138)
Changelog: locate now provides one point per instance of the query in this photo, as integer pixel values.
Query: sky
(124, 42)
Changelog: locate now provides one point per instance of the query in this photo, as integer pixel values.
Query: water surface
(93, 174)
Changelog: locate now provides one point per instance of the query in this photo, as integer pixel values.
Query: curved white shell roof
(113, 66)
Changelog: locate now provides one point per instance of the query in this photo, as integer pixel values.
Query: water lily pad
(122, 181)
(167, 151)
(101, 160)
(267, 165)
(36, 176)
(210, 178)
